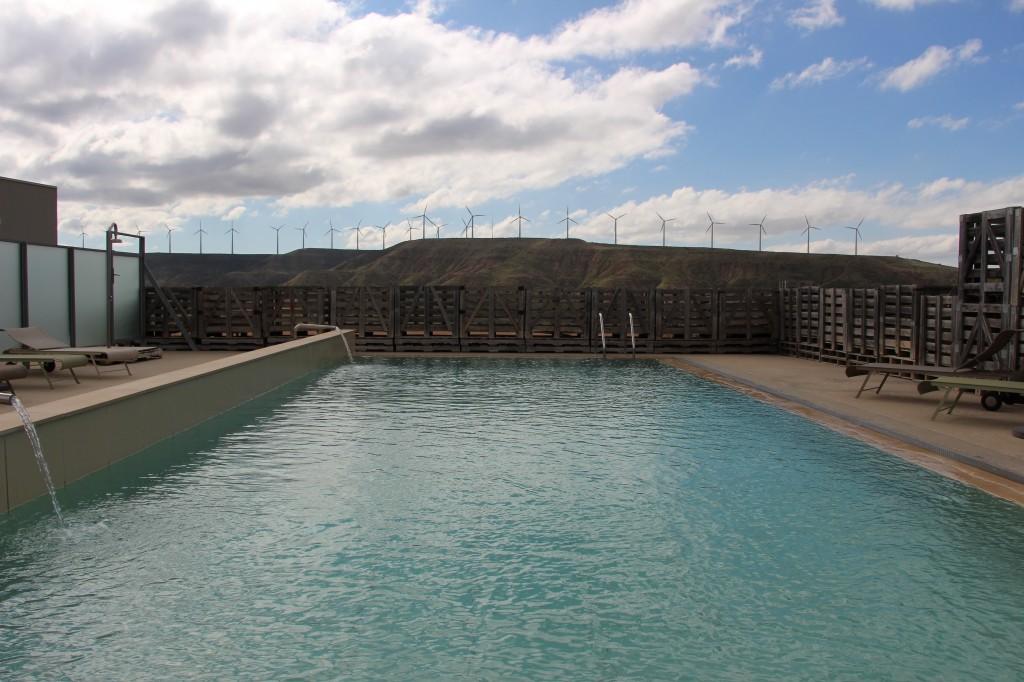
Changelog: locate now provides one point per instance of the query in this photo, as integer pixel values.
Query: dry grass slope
(544, 262)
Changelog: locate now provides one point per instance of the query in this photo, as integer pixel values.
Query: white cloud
(751, 59)
(816, 74)
(945, 121)
(234, 214)
(817, 14)
(929, 64)
(905, 5)
(1017, 5)
(931, 207)
(154, 112)
(643, 25)
(1019, 106)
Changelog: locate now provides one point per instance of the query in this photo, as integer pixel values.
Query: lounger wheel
(49, 366)
(991, 401)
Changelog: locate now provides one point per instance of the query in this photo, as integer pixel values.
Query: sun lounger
(964, 384)
(36, 340)
(47, 362)
(8, 373)
(968, 368)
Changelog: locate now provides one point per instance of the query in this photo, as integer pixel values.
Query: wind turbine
(439, 226)
(411, 228)
(383, 234)
(200, 232)
(567, 220)
(83, 237)
(169, 230)
(664, 226)
(277, 242)
(519, 219)
(138, 231)
(711, 227)
(761, 231)
(331, 230)
(472, 222)
(615, 227)
(856, 235)
(232, 231)
(303, 231)
(424, 219)
(465, 228)
(357, 229)
(808, 232)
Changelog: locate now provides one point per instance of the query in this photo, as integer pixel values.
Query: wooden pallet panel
(685, 321)
(492, 320)
(557, 320)
(615, 307)
(427, 319)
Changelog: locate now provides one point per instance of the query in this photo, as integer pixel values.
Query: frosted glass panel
(126, 298)
(90, 298)
(10, 291)
(48, 304)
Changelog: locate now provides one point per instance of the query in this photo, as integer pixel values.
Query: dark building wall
(28, 212)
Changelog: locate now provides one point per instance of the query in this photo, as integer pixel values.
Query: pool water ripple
(513, 519)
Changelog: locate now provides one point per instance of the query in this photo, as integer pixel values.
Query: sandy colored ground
(970, 445)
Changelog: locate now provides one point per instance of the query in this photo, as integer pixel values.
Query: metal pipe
(6, 398)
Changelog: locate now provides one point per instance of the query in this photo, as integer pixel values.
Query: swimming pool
(434, 518)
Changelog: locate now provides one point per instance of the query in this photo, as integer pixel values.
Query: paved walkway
(971, 444)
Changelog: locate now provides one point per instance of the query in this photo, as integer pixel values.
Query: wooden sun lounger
(968, 368)
(963, 384)
(10, 372)
(48, 363)
(35, 340)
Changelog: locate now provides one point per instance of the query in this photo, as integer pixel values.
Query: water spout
(604, 350)
(37, 448)
(632, 334)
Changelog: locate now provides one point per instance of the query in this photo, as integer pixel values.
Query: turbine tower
(664, 226)
(383, 234)
(807, 231)
(83, 237)
(465, 228)
(169, 230)
(615, 226)
(331, 231)
(200, 232)
(856, 235)
(761, 232)
(277, 241)
(411, 228)
(519, 219)
(424, 219)
(567, 220)
(232, 231)
(711, 227)
(303, 231)
(438, 227)
(358, 230)
(472, 222)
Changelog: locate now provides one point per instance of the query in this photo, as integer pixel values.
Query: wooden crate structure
(491, 320)
(898, 314)
(161, 328)
(747, 321)
(229, 318)
(686, 321)
(557, 320)
(427, 319)
(990, 282)
(801, 327)
(370, 312)
(616, 305)
(285, 307)
(936, 338)
(835, 324)
(864, 325)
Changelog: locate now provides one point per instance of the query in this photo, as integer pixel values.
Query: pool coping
(85, 433)
(1007, 484)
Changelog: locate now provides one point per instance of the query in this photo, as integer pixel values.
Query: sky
(322, 114)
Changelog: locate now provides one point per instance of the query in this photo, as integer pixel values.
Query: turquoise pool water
(513, 519)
